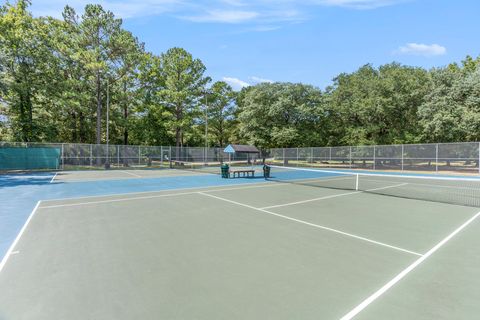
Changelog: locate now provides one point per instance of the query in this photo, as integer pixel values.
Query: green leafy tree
(378, 106)
(282, 115)
(24, 58)
(175, 82)
(220, 110)
(101, 44)
(451, 111)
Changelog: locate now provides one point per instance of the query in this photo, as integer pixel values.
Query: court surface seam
(313, 225)
(401, 275)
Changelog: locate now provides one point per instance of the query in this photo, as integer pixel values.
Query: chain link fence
(73, 156)
(442, 157)
(462, 157)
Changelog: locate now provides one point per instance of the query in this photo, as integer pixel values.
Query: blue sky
(310, 41)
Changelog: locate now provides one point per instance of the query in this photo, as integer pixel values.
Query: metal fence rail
(462, 157)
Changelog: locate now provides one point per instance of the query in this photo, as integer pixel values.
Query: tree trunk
(30, 118)
(26, 116)
(125, 114)
(178, 131)
(99, 111)
(82, 128)
(75, 127)
(99, 119)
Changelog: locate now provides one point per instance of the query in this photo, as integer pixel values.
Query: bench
(243, 172)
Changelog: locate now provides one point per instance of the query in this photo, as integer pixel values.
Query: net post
(356, 181)
(436, 158)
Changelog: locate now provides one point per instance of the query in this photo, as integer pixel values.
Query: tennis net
(211, 167)
(452, 190)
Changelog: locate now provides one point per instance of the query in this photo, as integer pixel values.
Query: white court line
(53, 178)
(329, 197)
(116, 200)
(313, 225)
(387, 187)
(132, 174)
(311, 200)
(146, 197)
(406, 271)
(19, 235)
(251, 185)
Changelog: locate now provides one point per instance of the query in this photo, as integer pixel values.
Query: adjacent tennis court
(302, 244)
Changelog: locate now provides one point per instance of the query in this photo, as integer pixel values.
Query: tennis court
(296, 246)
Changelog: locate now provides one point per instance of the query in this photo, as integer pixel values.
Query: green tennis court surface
(259, 251)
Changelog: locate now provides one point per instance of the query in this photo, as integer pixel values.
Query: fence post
(283, 149)
(139, 154)
(402, 157)
(330, 154)
(350, 157)
(161, 156)
(297, 156)
(374, 161)
(311, 155)
(63, 157)
(436, 158)
(91, 155)
(479, 158)
(118, 155)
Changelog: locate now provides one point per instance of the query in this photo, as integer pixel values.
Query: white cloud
(225, 16)
(235, 83)
(420, 49)
(260, 80)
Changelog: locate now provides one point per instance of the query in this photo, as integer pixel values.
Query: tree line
(57, 77)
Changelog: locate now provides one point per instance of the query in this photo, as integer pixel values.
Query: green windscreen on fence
(29, 158)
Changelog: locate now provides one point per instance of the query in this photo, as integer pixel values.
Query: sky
(309, 41)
